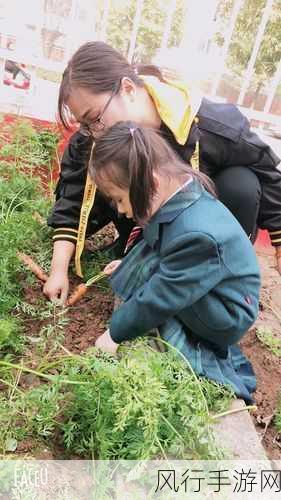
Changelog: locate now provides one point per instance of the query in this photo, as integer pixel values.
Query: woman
(99, 88)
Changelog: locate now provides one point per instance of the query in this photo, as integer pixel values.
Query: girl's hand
(111, 267)
(105, 343)
(278, 258)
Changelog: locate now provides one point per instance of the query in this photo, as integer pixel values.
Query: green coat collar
(168, 212)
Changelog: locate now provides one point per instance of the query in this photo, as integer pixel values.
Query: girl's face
(121, 199)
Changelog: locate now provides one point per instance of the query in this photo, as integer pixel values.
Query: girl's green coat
(196, 263)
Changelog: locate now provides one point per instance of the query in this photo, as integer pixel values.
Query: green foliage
(278, 417)
(22, 199)
(244, 36)
(10, 335)
(143, 405)
(150, 30)
(218, 397)
(19, 231)
(92, 264)
(28, 146)
(11, 429)
(42, 409)
(273, 343)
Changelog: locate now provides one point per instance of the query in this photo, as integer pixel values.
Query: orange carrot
(78, 293)
(35, 268)
(81, 289)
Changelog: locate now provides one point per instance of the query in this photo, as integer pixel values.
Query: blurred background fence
(230, 49)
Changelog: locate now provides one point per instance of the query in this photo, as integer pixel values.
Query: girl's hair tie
(132, 131)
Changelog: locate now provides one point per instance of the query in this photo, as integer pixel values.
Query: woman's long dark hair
(127, 155)
(98, 67)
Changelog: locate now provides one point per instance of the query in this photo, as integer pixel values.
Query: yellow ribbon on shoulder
(172, 101)
(87, 204)
(177, 109)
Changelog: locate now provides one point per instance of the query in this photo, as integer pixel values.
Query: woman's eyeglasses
(89, 129)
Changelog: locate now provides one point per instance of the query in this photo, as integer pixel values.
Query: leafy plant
(278, 417)
(151, 28)
(25, 145)
(273, 343)
(31, 151)
(22, 210)
(10, 336)
(244, 36)
(143, 405)
(18, 231)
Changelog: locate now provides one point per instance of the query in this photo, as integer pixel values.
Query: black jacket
(225, 141)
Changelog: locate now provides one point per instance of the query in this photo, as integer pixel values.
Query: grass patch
(273, 343)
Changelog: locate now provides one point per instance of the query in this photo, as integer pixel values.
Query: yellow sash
(87, 204)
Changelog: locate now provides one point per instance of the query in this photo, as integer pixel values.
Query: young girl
(193, 275)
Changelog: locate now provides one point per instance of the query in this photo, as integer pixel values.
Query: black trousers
(239, 190)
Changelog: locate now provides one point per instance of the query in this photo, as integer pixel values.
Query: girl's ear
(156, 179)
(128, 88)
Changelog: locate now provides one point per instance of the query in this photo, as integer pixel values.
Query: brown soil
(88, 318)
(267, 366)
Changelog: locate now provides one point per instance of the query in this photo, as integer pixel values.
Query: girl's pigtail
(142, 183)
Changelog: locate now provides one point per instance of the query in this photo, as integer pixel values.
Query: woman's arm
(65, 215)
(56, 287)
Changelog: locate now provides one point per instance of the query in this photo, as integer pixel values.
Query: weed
(25, 145)
(278, 417)
(10, 336)
(52, 334)
(273, 343)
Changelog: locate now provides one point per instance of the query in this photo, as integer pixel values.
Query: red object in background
(263, 243)
(263, 239)
(24, 85)
(37, 123)
(8, 81)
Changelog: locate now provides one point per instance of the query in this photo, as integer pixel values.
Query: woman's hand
(111, 267)
(57, 286)
(105, 343)
(278, 258)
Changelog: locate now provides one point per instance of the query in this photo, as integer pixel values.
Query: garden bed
(59, 395)
(266, 363)
(43, 345)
